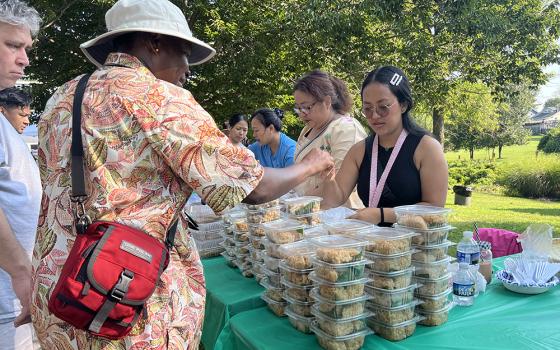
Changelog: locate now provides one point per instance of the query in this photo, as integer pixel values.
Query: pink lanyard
(375, 189)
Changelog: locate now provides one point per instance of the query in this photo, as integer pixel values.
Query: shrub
(472, 173)
(535, 180)
(550, 143)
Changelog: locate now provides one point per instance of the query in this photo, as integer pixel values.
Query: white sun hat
(152, 16)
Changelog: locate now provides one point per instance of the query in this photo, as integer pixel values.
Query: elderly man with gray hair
(20, 185)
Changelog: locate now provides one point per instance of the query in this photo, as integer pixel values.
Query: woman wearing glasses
(409, 166)
(273, 149)
(323, 103)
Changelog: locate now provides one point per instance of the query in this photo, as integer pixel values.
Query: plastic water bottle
(463, 286)
(468, 250)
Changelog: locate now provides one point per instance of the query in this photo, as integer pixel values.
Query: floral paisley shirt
(148, 144)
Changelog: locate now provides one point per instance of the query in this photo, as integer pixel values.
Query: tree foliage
(553, 102)
(264, 45)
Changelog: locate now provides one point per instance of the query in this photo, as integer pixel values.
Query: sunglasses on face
(380, 110)
(304, 110)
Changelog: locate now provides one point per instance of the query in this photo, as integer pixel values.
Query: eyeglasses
(305, 110)
(381, 110)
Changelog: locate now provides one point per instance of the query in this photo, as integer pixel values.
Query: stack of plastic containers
(241, 244)
(339, 279)
(305, 209)
(431, 260)
(229, 219)
(208, 237)
(277, 233)
(295, 268)
(392, 286)
(256, 234)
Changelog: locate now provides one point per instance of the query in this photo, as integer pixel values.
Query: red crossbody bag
(112, 269)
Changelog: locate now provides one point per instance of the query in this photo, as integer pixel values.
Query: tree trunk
(437, 124)
(500, 151)
(471, 152)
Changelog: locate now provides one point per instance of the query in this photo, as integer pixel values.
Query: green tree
(472, 116)
(552, 102)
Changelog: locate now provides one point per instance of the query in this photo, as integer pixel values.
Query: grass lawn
(499, 211)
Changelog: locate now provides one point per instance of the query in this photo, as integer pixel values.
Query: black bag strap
(79, 194)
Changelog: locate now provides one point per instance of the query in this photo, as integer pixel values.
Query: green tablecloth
(499, 319)
(227, 293)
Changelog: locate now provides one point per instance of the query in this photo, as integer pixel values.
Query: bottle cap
(485, 245)
(467, 234)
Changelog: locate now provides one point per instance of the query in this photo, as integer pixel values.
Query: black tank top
(403, 185)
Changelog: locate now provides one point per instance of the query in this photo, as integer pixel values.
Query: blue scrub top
(283, 157)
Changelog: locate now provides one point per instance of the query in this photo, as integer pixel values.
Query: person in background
(15, 104)
(238, 128)
(272, 148)
(409, 166)
(148, 146)
(324, 103)
(20, 184)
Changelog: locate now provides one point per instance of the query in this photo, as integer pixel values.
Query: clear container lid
(444, 261)
(419, 209)
(315, 278)
(264, 210)
(282, 225)
(290, 313)
(443, 294)
(349, 227)
(302, 200)
(308, 215)
(387, 234)
(320, 299)
(315, 328)
(227, 257)
(435, 229)
(337, 242)
(393, 291)
(274, 302)
(284, 266)
(289, 284)
(374, 307)
(425, 280)
(295, 301)
(270, 273)
(446, 308)
(321, 316)
(406, 271)
(317, 262)
(371, 255)
(266, 284)
(297, 248)
(315, 231)
(416, 319)
(444, 244)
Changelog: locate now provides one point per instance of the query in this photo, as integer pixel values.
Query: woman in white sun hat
(147, 146)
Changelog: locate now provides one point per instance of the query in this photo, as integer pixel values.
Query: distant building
(541, 122)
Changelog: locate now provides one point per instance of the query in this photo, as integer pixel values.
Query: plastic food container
(271, 263)
(257, 268)
(391, 280)
(392, 297)
(390, 263)
(435, 318)
(303, 205)
(315, 231)
(283, 231)
(257, 243)
(229, 250)
(277, 307)
(262, 215)
(241, 248)
(338, 328)
(239, 223)
(295, 276)
(229, 259)
(271, 291)
(421, 217)
(430, 237)
(433, 286)
(255, 254)
(245, 267)
(339, 309)
(339, 291)
(293, 291)
(432, 270)
(337, 249)
(340, 272)
(301, 323)
(302, 308)
(394, 332)
(434, 302)
(272, 203)
(256, 230)
(312, 219)
(349, 227)
(273, 277)
(387, 240)
(393, 315)
(352, 341)
(298, 254)
(239, 236)
(272, 249)
(431, 253)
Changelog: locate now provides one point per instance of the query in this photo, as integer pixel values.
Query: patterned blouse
(148, 144)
